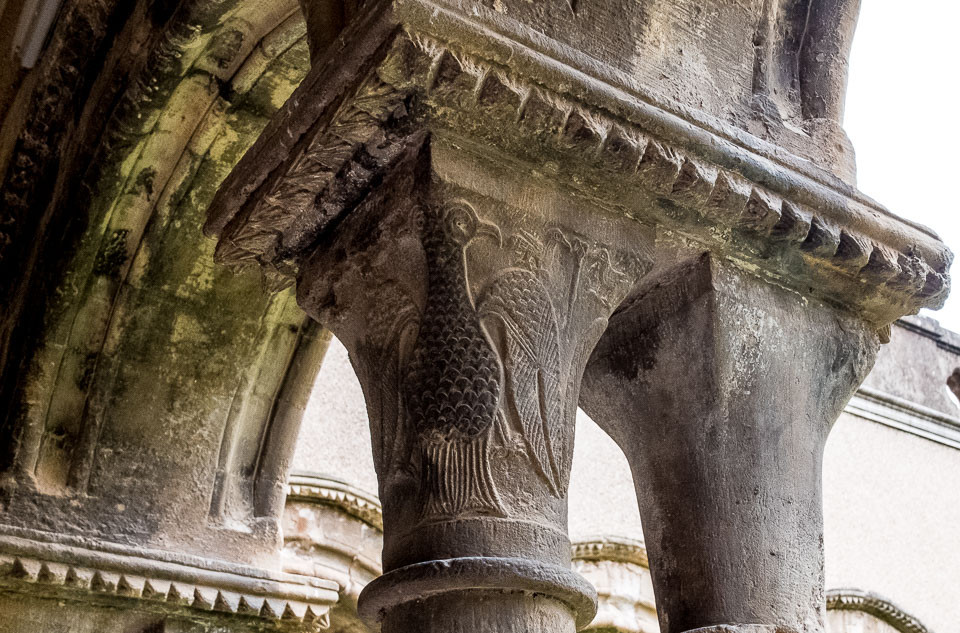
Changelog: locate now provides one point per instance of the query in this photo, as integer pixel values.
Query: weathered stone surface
(722, 188)
(148, 400)
(726, 443)
(35, 567)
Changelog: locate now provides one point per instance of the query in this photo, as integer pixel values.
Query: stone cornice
(349, 499)
(667, 171)
(889, 410)
(38, 563)
(776, 214)
(562, 69)
(617, 550)
(884, 610)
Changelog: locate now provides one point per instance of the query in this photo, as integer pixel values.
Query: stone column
(721, 388)
(469, 322)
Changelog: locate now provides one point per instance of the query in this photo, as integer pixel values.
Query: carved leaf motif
(390, 328)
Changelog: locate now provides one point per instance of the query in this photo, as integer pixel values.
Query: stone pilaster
(721, 389)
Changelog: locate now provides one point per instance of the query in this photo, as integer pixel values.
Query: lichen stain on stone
(241, 130)
(113, 255)
(199, 324)
(144, 182)
(86, 370)
(275, 85)
(226, 47)
(200, 278)
(186, 328)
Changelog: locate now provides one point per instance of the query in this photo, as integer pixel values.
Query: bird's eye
(460, 224)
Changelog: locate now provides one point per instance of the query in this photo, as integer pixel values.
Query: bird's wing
(518, 300)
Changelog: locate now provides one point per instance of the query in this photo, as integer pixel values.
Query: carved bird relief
(453, 382)
(494, 367)
(517, 303)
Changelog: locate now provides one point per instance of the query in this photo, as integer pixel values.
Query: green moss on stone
(144, 181)
(113, 255)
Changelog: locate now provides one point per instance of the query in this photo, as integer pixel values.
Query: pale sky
(904, 119)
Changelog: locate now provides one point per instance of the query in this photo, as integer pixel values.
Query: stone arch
(159, 392)
(870, 608)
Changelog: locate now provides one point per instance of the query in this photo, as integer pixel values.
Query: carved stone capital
(464, 195)
(469, 312)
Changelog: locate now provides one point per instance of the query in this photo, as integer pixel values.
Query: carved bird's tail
(456, 479)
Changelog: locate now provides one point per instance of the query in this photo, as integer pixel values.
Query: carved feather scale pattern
(453, 384)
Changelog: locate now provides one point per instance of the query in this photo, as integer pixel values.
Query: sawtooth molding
(878, 607)
(42, 564)
(796, 226)
(341, 495)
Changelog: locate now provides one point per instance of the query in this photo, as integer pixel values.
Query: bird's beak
(490, 230)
